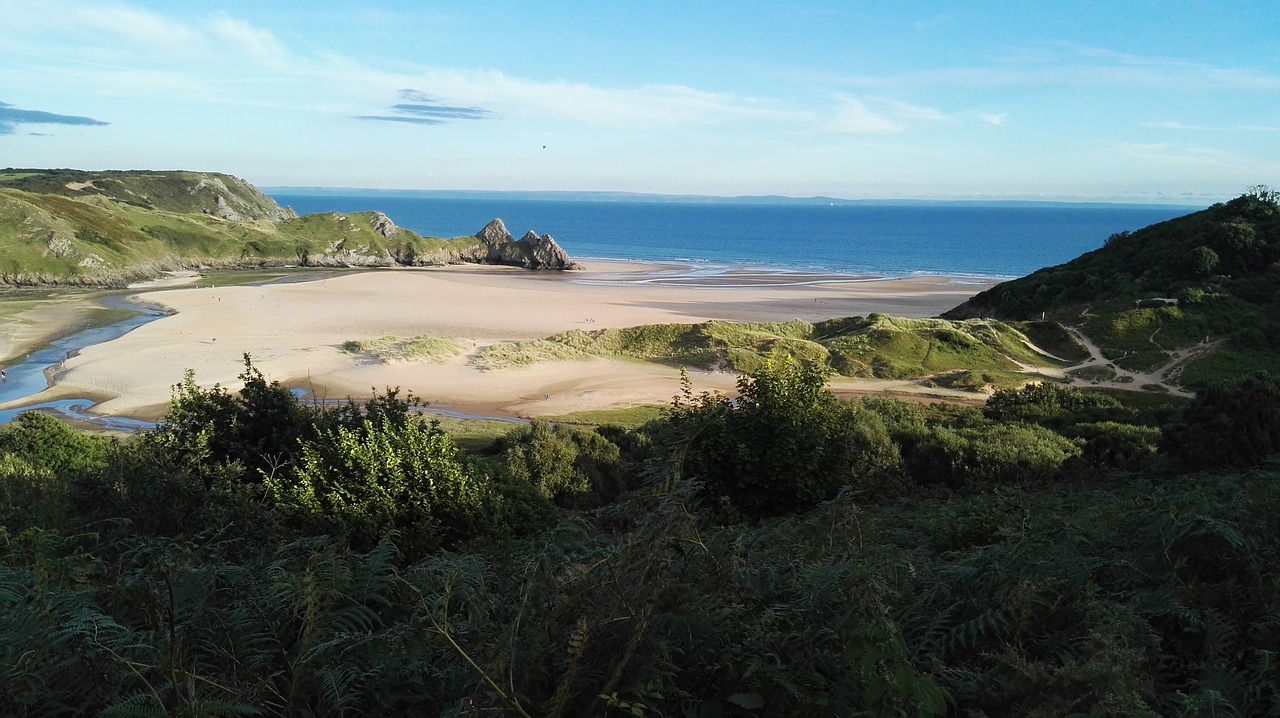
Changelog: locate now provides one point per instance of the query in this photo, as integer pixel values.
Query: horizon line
(630, 196)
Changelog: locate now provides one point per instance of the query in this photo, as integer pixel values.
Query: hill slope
(1209, 281)
(104, 228)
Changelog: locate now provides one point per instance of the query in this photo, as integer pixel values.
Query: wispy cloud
(1171, 125)
(1182, 126)
(854, 117)
(993, 118)
(240, 37)
(1064, 64)
(220, 59)
(423, 109)
(11, 117)
(882, 114)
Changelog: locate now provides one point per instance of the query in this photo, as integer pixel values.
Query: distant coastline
(771, 199)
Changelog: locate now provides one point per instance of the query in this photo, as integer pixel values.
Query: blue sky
(1137, 101)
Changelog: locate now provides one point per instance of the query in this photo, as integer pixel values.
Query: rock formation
(531, 251)
(382, 224)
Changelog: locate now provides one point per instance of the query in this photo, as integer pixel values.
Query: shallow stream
(31, 376)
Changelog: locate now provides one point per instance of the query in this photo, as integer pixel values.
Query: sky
(1131, 100)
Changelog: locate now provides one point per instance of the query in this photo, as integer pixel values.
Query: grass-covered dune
(107, 228)
(875, 346)
(1208, 281)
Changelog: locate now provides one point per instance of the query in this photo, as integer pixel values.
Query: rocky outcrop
(530, 251)
(382, 224)
(222, 210)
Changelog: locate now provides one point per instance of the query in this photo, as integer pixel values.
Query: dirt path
(1164, 376)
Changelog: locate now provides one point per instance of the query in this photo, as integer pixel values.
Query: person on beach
(3, 376)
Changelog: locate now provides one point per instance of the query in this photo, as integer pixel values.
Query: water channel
(31, 376)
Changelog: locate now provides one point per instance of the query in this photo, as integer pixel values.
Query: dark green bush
(571, 467)
(785, 444)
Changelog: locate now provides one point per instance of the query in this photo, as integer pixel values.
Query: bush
(49, 444)
(573, 468)
(1234, 423)
(785, 445)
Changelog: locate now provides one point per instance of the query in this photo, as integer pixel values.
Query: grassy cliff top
(178, 191)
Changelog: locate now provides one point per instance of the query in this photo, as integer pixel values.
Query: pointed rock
(531, 251)
(495, 234)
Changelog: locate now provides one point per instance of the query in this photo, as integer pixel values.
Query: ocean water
(889, 240)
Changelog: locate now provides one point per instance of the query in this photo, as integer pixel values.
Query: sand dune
(294, 331)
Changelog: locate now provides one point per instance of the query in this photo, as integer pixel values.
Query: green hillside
(1207, 284)
(107, 228)
(971, 354)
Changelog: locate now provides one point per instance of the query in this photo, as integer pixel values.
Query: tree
(260, 427)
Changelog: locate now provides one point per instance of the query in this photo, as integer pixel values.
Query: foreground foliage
(780, 554)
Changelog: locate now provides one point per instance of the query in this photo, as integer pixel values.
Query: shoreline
(294, 331)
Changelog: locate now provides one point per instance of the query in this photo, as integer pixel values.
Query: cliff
(108, 228)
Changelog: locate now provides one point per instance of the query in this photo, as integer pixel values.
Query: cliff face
(530, 251)
(108, 228)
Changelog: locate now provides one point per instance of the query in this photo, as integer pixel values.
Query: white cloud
(258, 44)
(222, 59)
(855, 118)
(1062, 64)
(915, 113)
(1172, 125)
(993, 118)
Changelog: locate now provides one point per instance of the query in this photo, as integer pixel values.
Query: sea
(998, 241)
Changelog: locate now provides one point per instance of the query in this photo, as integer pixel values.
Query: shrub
(570, 467)
(785, 445)
(1233, 423)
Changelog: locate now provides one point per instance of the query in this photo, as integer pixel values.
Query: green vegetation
(626, 417)
(420, 348)
(975, 353)
(1206, 277)
(784, 553)
(67, 227)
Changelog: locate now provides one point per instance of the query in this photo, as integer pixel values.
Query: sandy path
(294, 331)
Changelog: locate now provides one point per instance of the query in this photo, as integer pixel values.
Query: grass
(1225, 362)
(413, 349)
(1099, 372)
(1145, 329)
(266, 275)
(151, 223)
(509, 355)
(474, 435)
(984, 380)
(1053, 338)
(627, 417)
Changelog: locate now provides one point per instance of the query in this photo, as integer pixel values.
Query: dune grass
(394, 350)
(874, 346)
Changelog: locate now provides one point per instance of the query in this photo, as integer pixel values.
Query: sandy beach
(294, 332)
